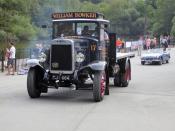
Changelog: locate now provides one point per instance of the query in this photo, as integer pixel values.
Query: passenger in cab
(105, 34)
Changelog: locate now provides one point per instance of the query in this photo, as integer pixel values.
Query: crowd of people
(146, 43)
(149, 43)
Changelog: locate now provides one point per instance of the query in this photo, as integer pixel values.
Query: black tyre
(125, 77)
(99, 85)
(117, 80)
(142, 62)
(121, 80)
(32, 83)
(167, 61)
(124, 80)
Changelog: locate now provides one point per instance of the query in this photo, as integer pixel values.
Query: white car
(155, 56)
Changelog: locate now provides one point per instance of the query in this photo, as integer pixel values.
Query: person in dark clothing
(164, 43)
(85, 31)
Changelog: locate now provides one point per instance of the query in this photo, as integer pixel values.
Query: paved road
(148, 104)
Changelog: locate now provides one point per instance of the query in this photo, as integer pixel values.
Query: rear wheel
(124, 80)
(121, 80)
(117, 80)
(125, 77)
(99, 86)
(33, 88)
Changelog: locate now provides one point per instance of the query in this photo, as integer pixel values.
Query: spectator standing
(11, 59)
(148, 43)
(118, 42)
(161, 38)
(140, 46)
(7, 54)
(168, 39)
(154, 41)
(164, 43)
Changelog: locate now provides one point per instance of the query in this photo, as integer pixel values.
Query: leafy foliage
(22, 20)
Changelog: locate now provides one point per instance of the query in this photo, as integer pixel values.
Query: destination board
(78, 15)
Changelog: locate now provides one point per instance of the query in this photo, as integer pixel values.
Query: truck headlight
(80, 57)
(42, 57)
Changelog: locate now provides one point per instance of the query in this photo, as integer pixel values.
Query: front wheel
(99, 86)
(160, 62)
(32, 83)
(142, 62)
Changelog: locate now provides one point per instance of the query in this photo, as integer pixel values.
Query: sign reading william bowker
(78, 15)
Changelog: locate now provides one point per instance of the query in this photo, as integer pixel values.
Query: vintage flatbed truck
(80, 51)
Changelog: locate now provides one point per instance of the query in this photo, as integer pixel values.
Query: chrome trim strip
(93, 20)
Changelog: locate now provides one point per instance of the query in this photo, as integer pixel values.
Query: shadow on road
(68, 96)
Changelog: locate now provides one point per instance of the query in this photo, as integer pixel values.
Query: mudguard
(33, 63)
(128, 67)
(98, 66)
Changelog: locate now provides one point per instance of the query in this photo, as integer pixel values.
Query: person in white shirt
(11, 59)
(140, 45)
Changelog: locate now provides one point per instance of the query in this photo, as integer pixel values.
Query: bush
(3, 35)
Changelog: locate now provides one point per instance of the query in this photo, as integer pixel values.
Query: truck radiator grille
(61, 58)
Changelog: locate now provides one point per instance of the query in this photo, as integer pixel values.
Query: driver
(85, 31)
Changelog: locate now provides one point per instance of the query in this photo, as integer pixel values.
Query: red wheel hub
(103, 84)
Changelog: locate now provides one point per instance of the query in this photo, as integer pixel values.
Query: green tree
(164, 15)
(173, 27)
(15, 19)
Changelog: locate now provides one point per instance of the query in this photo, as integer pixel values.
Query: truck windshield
(73, 28)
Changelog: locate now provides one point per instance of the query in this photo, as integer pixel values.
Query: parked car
(155, 56)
